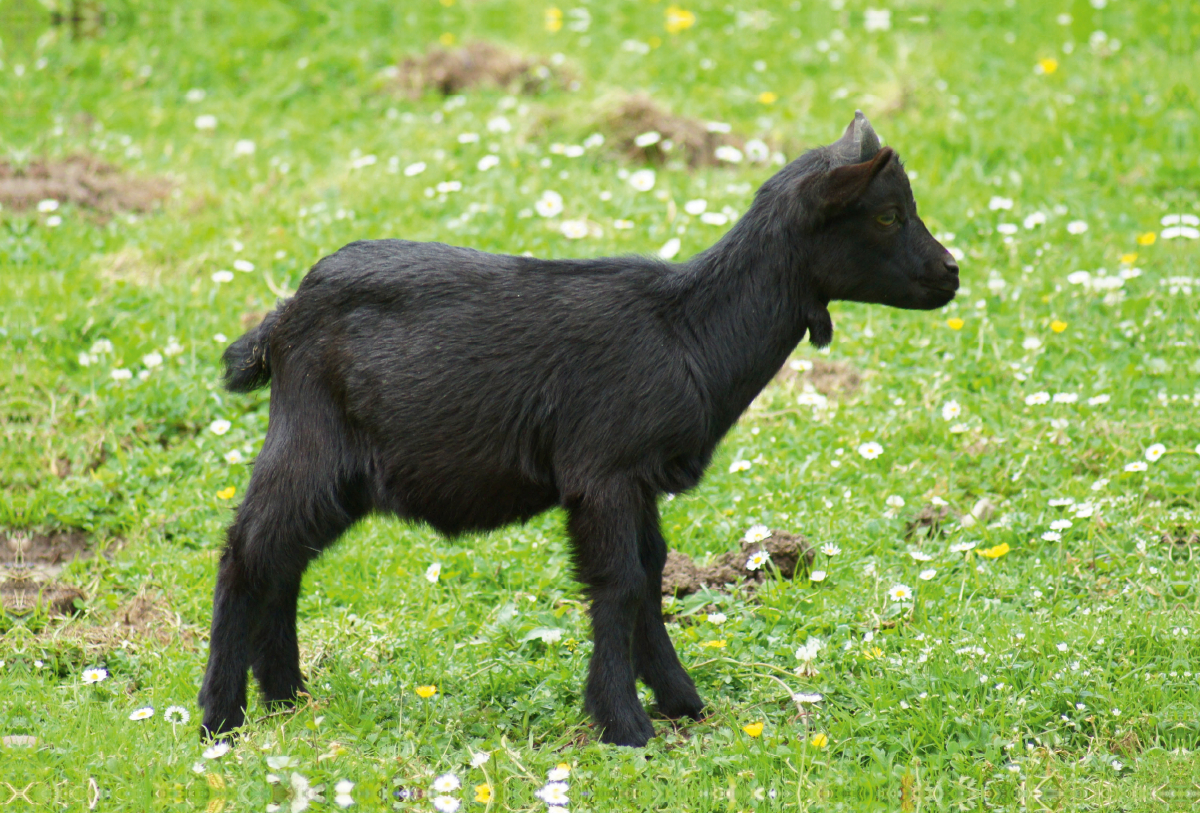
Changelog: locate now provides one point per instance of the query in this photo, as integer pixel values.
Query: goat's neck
(745, 312)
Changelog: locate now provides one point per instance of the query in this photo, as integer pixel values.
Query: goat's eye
(886, 219)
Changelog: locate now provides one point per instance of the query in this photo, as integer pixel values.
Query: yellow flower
(483, 793)
(553, 19)
(426, 691)
(996, 552)
(679, 19)
(1048, 65)
(654, 42)
(447, 3)
(1129, 259)
(874, 653)
(714, 644)
(753, 729)
(226, 493)
(819, 740)
(564, 767)
(767, 97)
(1058, 326)
(1147, 239)
(954, 323)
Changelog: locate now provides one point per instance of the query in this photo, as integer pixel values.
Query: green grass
(965, 697)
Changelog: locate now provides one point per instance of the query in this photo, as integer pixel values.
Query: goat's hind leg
(653, 654)
(293, 509)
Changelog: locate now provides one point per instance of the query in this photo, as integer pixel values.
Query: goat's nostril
(951, 265)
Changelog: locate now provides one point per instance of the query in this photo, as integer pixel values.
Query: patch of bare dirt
(82, 180)
(479, 64)
(830, 378)
(682, 576)
(687, 139)
(29, 563)
(146, 617)
(38, 549)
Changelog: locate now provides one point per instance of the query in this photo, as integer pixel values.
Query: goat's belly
(456, 502)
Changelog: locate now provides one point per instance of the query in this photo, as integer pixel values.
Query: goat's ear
(843, 186)
(859, 143)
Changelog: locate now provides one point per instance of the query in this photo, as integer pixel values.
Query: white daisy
(1065, 397)
(559, 772)
(919, 556)
(1051, 536)
(926, 575)
(757, 560)
(1155, 452)
(713, 618)
(695, 207)
(94, 675)
(217, 750)
(488, 162)
(152, 360)
(219, 426)
(1037, 398)
(900, 592)
(648, 138)
(143, 713)
(446, 804)
(550, 204)
(479, 759)
(574, 229)
(554, 793)
(818, 576)
(830, 550)
(446, 783)
(739, 465)
(433, 572)
(245, 266)
(1137, 465)
(222, 276)
(670, 248)
(415, 168)
(1077, 227)
(1097, 400)
(961, 547)
(1060, 525)
(951, 410)
(756, 533)
(894, 501)
(642, 180)
(870, 450)
(728, 153)
(177, 714)
(234, 457)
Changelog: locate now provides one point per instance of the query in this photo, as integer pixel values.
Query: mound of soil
(682, 576)
(681, 137)
(478, 64)
(82, 180)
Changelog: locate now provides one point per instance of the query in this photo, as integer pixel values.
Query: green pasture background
(1058, 675)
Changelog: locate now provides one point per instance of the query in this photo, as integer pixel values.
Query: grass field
(1045, 656)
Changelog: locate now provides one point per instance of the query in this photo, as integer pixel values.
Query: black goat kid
(471, 390)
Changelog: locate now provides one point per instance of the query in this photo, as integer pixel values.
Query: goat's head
(856, 210)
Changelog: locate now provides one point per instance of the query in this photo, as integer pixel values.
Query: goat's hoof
(215, 729)
(634, 734)
(679, 707)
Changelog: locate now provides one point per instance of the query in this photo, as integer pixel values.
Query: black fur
(469, 390)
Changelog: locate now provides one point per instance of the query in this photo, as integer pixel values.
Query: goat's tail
(248, 360)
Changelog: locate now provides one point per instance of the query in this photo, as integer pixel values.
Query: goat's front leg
(603, 526)
(654, 657)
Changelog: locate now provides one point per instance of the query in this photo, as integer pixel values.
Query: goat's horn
(859, 143)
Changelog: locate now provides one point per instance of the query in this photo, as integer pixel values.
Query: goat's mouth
(950, 288)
